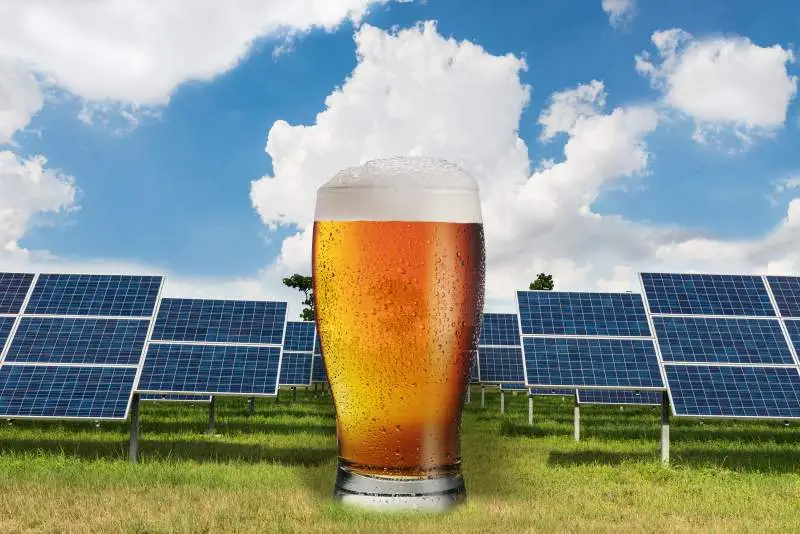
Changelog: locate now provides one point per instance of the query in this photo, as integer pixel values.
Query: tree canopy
(306, 286)
(543, 282)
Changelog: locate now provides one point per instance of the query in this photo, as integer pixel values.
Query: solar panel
(734, 391)
(474, 367)
(704, 294)
(70, 340)
(592, 362)
(501, 364)
(98, 295)
(499, 329)
(786, 290)
(210, 369)
(295, 369)
(148, 397)
(13, 289)
(221, 321)
(538, 392)
(317, 344)
(39, 391)
(619, 397)
(299, 336)
(716, 340)
(586, 314)
(513, 387)
(5, 329)
(318, 373)
(793, 327)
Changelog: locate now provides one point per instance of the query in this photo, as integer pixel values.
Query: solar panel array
(214, 347)
(725, 343)
(587, 341)
(298, 353)
(74, 343)
(499, 350)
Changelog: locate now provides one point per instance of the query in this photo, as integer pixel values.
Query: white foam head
(400, 189)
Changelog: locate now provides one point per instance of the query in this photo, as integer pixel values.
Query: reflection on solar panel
(786, 290)
(5, 328)
(220, 321)
(76, 346)
(499, 350)
(99, 295)
(584, 362)
(584, 314)
(734, 391)
(145, 397)
(215, 347)
(299, 336)
(716, 340)
(702, 294)
(65, 391)
(318, 373)
(619, 397)
(70, 340)
(295, 369)
(13, 289)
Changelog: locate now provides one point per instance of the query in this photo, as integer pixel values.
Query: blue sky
(173, 191)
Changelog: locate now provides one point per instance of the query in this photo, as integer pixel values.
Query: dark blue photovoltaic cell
(156, 397)
(501, 364)
(318, 370)
(704, 294)
(5, 328)
(299, 336)
(622, 363)
(13, 288)
(499, 329)
(793, 327)
(786, 290)
(536, 392)
(84, 294)
(210, 369)
(619, 397)
(295, 369)
(98, 341)
(225, 321)
(729, 340)
(701, 390)
(586, 314)
(317, 345)
(65, 391)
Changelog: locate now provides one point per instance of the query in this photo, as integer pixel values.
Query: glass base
(386, 494)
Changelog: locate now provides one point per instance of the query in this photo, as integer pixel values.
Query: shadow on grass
(596, 457)
(198, 451)
(223, 427)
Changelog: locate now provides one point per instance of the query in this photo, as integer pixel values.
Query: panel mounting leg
(212, 415)
(294, 393)
(502, 402)
(577, 425)
(664, 428)
(251, 406)
(530, 409)
(483, 397)
(133, 454)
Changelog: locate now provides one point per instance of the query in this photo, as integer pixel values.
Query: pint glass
(398, 271)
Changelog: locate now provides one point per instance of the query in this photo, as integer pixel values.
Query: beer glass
(398, 272)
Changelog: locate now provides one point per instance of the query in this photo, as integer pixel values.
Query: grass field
(273, 472)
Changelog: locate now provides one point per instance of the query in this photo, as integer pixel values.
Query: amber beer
(398, 270)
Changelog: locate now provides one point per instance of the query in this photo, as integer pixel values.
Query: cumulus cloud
(723, 83)
(619, 12)
(20, 98)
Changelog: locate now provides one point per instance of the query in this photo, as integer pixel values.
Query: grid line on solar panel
(590, 314)
(65, 391)
(705, 294)
(299, 336)
(501, 364)
(786, 290)
(499, 329)
(619, 397)
(13, 290)
(318, 373)
(94, 295)
(98, 341)
(295, 369)
(223, 321)
(586, 362)
(210, 369)
(731, 340)
(734, 391)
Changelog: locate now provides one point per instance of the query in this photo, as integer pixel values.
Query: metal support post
(577, 410)
(251, 406)
(483, 397)
(502, 402)
(133, 454)
(664, 428)
(294, 393)
(212, 414)
(530, 409)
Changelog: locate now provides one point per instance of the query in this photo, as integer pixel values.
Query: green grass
(273, 472)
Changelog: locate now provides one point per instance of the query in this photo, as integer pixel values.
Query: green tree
(304, 284)
(542, 282)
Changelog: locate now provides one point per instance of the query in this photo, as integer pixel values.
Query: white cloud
(20, 98)
(140, 51)
(619, 12)
(723, 83)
